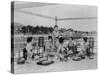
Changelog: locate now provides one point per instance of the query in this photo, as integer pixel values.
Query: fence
(20, 42)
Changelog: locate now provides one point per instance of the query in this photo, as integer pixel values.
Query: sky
(60, 10)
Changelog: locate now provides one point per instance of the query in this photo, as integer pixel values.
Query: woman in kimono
(62, 50)
(29, 49)
(72, 45)
(84, 48)
(55, 36)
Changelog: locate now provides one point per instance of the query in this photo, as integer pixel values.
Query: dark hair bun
(29, 39)
(49, 37)
(55, 26)
(85, 39)
(61, 40)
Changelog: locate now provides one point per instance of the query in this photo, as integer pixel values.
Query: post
(56, 20)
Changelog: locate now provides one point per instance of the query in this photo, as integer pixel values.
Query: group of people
(69, 48)
(59, 48)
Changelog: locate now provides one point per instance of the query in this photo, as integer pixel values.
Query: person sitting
(61, 52)
(49, 46)
(84, 48)
(49, 43)
(72, 45)
(29, 49)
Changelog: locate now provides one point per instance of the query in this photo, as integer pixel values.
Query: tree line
(33, 30)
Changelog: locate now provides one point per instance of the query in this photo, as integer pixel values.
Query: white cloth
(29, 47)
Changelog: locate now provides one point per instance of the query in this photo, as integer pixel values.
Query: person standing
(55, 36)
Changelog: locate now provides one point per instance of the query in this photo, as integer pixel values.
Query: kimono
(29, 48)
(62, 51)
(49, 47)
(55, 38)
(84, 49)
(72, 46)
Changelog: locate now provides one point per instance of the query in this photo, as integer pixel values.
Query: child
(29, 48)
(49, 45)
